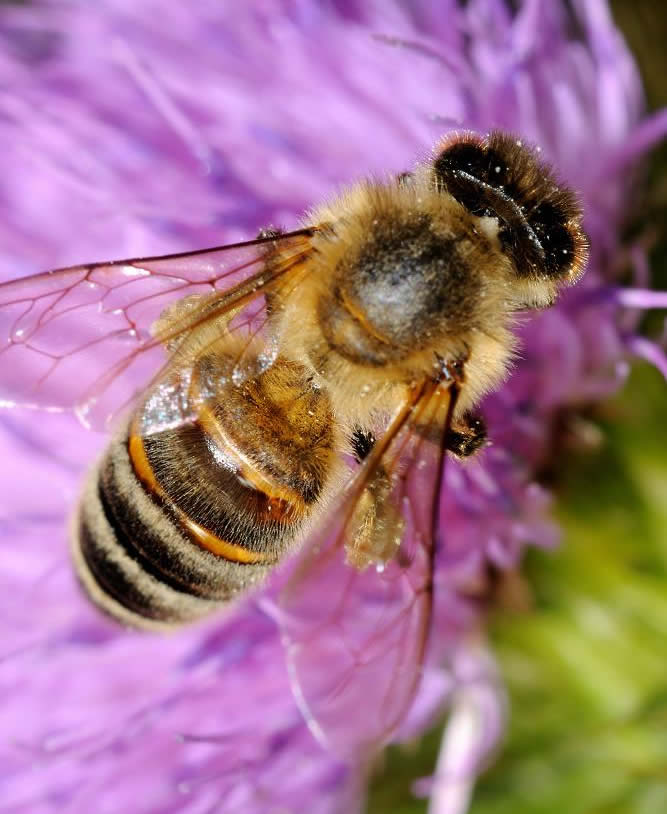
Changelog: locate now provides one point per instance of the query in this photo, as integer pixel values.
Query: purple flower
(143, 128)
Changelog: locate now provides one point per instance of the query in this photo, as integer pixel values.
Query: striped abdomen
(175, 522)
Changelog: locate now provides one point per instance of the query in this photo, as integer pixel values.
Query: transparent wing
(356, 636)
(81, 338)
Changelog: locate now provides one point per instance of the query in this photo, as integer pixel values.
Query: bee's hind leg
(467, 436)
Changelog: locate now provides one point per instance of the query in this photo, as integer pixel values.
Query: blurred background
(585, 659)
(581, 635)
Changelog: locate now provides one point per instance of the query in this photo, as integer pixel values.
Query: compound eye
(458, 169)
(464, 156)
(471, 157)
(497, 171)
(549, 224)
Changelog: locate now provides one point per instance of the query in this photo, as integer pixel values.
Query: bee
(309, 388)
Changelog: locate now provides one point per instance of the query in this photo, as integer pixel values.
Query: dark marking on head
(457, 168)
(539, 218)
(548, 223)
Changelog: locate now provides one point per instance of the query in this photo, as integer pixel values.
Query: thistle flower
(134, 129)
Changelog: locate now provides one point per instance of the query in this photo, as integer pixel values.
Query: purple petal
(142, 128)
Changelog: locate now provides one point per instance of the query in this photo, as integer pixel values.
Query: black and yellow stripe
(174, 523)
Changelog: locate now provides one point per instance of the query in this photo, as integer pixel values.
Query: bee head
(539, 219)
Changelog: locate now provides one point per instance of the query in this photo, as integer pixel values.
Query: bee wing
(80, 338)
(355, 639)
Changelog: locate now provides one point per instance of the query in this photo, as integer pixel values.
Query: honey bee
(309, 387)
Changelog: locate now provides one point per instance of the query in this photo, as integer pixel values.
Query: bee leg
(467, 436)
(362, 442)
(378, 525)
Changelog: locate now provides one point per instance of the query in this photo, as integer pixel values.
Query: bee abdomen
(137, 561)
(174, 524)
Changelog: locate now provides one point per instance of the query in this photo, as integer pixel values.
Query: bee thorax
(401, 290)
